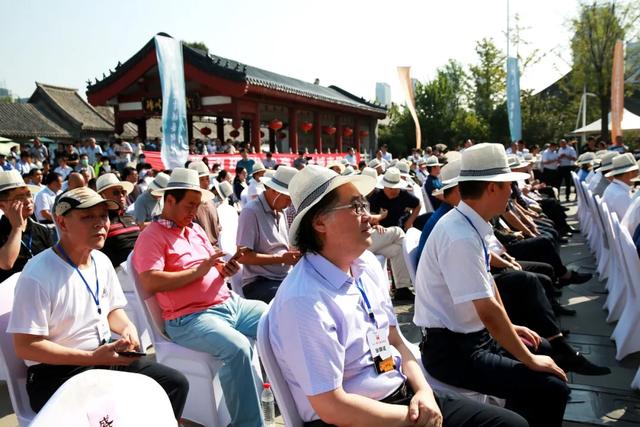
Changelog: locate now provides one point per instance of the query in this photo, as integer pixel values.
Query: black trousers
(459, 411)
(555, 212)
(475, 361)
(550, 177)
(262, 289)
(564, 177)
(526, 302)
(44, 380)
(538, 249)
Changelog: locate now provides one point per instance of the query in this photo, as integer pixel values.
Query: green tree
(596, 29)
(488, 79)
(197, 45)
(6, 100)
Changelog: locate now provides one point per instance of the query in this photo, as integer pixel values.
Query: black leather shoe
(576, 279)
(404, 294)
(563, 240)
(559, 310)
(579, 364)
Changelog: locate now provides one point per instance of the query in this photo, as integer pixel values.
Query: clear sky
(349, 43)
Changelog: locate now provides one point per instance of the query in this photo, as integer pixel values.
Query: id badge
(104, 332)
(380, 351)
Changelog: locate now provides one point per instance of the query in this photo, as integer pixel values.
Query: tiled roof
(130, 130)
(26, 121)
(70, 104)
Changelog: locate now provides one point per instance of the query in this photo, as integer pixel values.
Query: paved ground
(606, 400)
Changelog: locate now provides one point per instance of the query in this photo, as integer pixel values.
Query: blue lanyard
(484, 247)
(30, 244)
(96, 296)
(372, 316)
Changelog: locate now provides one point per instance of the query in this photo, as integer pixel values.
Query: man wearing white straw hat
(333, 329)
(21, 238)
(147, 205)
(256, 187)
(262, 229)
(617, 196)
(176, 261)
(433, 182)
(123, 230)
(207, 214)
(599, 182)
(470, 341)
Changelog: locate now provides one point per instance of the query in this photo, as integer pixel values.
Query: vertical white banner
(175, 138)
(513, 99)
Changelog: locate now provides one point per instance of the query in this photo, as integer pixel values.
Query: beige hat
(12, 179)
(81, 198)
(392, 179)
(312, 183)
(184, 179)
(159, 182)
(606, 161)
(449, 175)
(487, 162)
(110, 180)
(622, 163)
(225, 189)
(336, 164)
(280, 181)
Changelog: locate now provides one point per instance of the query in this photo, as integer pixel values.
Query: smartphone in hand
(131, 353)
(239, 253)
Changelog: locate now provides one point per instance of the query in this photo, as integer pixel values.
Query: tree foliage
(488, 77)
(197, 45)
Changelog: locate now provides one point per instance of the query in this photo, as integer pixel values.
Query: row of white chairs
(618, 263)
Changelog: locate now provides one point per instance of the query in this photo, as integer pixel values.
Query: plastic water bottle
(268, 406)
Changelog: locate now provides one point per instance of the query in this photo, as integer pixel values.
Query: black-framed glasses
(359, 206)
(20, 198)
(117, 193)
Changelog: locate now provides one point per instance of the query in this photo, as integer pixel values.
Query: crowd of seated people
(488, 277)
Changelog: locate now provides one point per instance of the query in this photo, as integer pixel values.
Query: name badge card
(380, 351)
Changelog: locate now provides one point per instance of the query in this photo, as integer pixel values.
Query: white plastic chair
(626, 333)
(14, 367)
(417, 191)
(635, 384)
(123, 398)
(427, 202)
(286, 403)
(228, 217)
(205, 402)
(603, 255)
(133, 307)
(410, 249)
(617, 295)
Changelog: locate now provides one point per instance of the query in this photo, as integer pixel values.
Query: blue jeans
(224, 331)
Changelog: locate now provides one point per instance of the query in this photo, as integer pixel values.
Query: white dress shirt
(452, 273)
(632, 217)
(617, 196)
(570, 156)
(552, 156)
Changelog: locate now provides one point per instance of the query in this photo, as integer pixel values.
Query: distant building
(414, 84)
(383, 93)
(4, 92)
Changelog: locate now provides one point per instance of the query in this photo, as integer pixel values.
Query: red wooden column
(317, 131)
(338, 133)
(293, 129)
(356, 134)
(255, 130)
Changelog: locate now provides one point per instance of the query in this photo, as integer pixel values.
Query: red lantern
(205, 131)
(261, 134)
(275, 124)
(364, 133)
(282, 135)
(236, 123)
(329, 130)
(234, 134)
(306, 126)
(347, 132)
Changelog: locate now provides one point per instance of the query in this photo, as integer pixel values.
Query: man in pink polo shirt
(175, 260)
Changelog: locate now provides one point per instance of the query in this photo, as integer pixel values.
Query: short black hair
(127, 171)
(51, 177)
(475, 189)
(178, 194)
(448, 191)
(306, 236)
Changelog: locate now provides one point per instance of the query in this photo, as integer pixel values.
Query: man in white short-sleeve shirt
(67, 303)
(460, 308)
(617, 195)
(333, 329)
(45, 197)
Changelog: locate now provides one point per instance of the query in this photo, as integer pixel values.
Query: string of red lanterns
(306, 126)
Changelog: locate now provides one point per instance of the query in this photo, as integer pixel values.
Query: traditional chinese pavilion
(294, 114)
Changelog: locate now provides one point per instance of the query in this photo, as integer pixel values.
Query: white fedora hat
(280, 181)
(110, 180)
(159, 182)
(433, 161)
(622, 163)
(586, 158)
(225, 189)
(369, 172)
(606, 161)
(12, 179)
(348, 171)
(200, 167)
(392, 179)
(312, 183)
(403, 167)
(81, 198)
(487, 162)
(184, 179)
(449, 176)
(374, 163)
(257, 167)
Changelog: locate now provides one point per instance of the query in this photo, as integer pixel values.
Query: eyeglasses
(359, 206)
(20, 198)
(117, 193)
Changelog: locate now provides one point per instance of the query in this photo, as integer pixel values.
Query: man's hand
(130, 335)
(408, 223)
(541, 363)
(106, 354)
(229, 268)
(14, 215)
(383, 213)
(213, 260)
(290, 257)
(380, 229)
(528, 335)
(424, 411)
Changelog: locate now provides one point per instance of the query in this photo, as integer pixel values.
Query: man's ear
(320, 223)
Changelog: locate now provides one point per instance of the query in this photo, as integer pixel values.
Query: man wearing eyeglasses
(123, 230)
(20, 237)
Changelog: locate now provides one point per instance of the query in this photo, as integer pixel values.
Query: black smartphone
(131, 353)
(239, 253)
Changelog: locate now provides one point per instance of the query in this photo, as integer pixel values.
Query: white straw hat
(622, 163)
(432, 161)
(391, 179)
(110, 180)
(403, 167)
(449, 175)
(348, 171)
(586, 158)
(184, 179)
(200, 167)
(374, 163)
(606, 161)
(487, 162)
(159, 182)
(225, 189)
(81, 198)
(257, 167)
(280, 181)
(12, 179)
(369, 172)
(312, 183)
